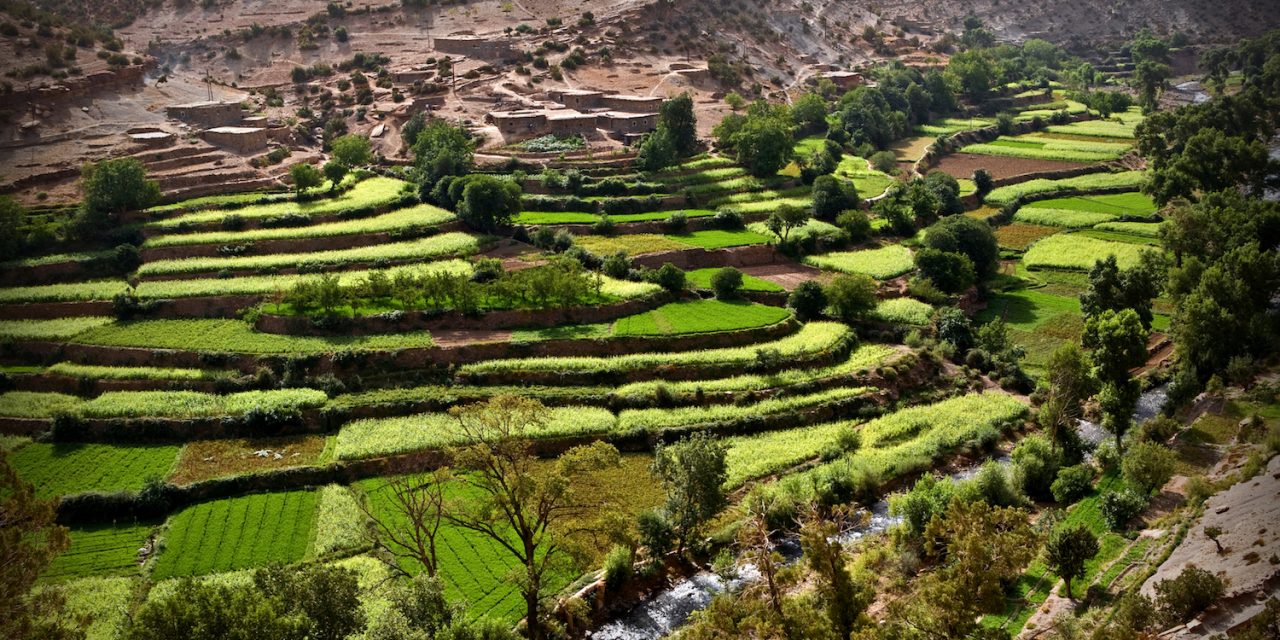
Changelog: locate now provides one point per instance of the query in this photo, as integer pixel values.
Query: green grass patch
(104, 602)
(903, 311)
(97, 372)
(579, 217)
(1066, 218)
(1144, 229)
(238, 533)
(64, 469)
(1120, 236)
(759, 455)
(701, 316)
(235, 336)
(870, 183)
(701, 279)
(1133, 203)
(720, 239)
(37, 404)
(655, 420)
(55, 329)
(883, 263)
(630, 244)
(1042, 186)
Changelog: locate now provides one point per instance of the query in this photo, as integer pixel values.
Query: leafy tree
(809, 112)
(658, 151)
(409, 132)
(1213, 533)
(974, 72)
(785, 219)
(334, 172)
(947, 190)
(29, 540)
(442, 149)
(12, 215)
(676, 116)
(851, 296)
(212, 611)
(855, 223)
(1072, 483)
(1119, 507)
(110, 188)
(1119, 343)
(727, 283)
(971, 237)
(516, 502)
(831, 195)
(1135, 288)
(1147, 466)
(845, 600)
(764, 145)
(949, 271)
(1209, 160)
(929, 497)
(488, 203)
(1067, 551)
(693, 472)
(305, 177)
(808, 300)
(1149, 78)
(953, 327)
(327, 597)
(1036, 466)
(351, 150)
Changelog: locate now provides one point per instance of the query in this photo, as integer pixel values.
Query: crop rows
(454, 243)
(702, 316)
(1143, 229)
(1073, 251)
(372, 192)
(418, 215)
(97, 372)
(1131, 203)
(235, 336)
(64, 469)
(655, 420)
(238, 533)
(1039, 148)
(812, 339)
(580, 217)
(1066, 218)
(701, 279)
(55, 329)
(721, 239)
(883, 263)
(761, 454)
(388, 436)
(1041, 186)
(103, 550)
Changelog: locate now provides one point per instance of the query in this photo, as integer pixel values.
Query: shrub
(831, 195)
(1147, 466)
(669, 277)
(1181, 598)
(617, 567)
(984, 182)
(604, 226)
(1119, 507)
(728, 219)
(727, 283)
(617, 265)
(856, 224)
(656, 533)
(1037, 465)
(884, 161)
(808, 300)
(1072, 483)
(951, 272)
(675, 223)
(991, 485)
(851, 296)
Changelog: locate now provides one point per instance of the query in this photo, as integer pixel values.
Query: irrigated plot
(101, 550)
(237, 533)
(64, 469)
(702, 316)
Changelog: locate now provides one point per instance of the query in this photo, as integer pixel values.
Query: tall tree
(845, 600)
(410, 529)
(693, 472)
(1069, 383)
(676, 116)
(1067, 550)
(1118, 343)
(535, 512)
(1134, 288)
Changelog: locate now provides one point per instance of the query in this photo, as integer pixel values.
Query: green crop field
(579, 217)
(903, 311)
(418, 215)
(1126, 179)
(870, 183)
(237, 533)
(813, 227)
(90, 371)
(235, 336)
(376, 191)
(882, 264)
(37, 404)
(101, 550)
(63, 469)
(1098, 128)
(379, 437)
(103, 602)
(701, 279)
(632, 244)
(1033, 146)
(56, 329)
(445, 244)
(1019, 236)
(194, 404)
(1144, 229)
(720, 239)
(812, 339)
(762, 454)
(1066, 218)
(688, 417)
(1074, 251)
(701, 316)
(1117, 204)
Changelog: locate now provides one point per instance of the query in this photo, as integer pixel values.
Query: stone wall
(206, 114)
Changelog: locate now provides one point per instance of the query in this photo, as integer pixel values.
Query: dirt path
(788, 275)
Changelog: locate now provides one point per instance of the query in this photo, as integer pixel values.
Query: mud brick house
(206, 114)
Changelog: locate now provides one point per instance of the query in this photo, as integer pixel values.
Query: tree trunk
(1067, 579)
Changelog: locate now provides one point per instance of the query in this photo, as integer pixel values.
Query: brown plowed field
(962, 165)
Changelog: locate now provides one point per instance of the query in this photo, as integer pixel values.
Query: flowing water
(671, 607)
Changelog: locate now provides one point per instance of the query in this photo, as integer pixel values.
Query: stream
(671, 607)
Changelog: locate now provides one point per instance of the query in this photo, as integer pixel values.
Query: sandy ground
(788, 275)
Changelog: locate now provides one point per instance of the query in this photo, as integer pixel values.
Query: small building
(842, 79)
(622, 124)
(206, 114)
(569, 123)
(579, 99)
(242, 140)
(518, 125)
(631, 104)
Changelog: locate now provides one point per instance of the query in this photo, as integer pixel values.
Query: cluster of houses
(581, 112)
